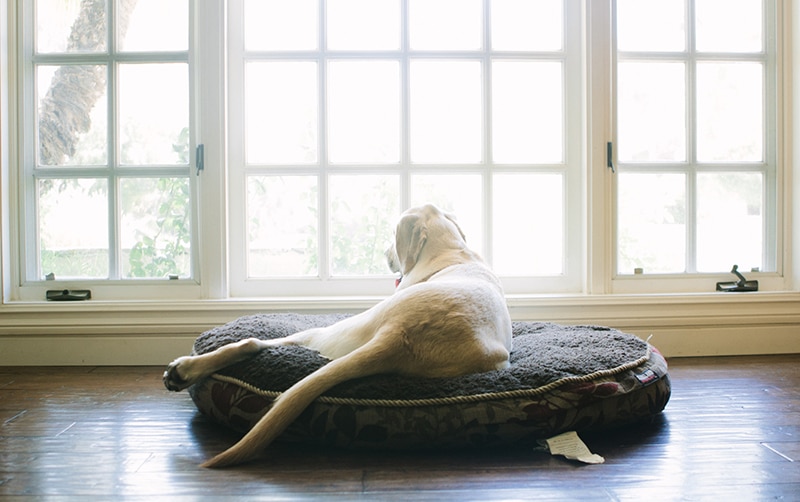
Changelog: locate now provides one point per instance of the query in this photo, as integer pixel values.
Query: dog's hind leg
(369, 359)
(185, 371)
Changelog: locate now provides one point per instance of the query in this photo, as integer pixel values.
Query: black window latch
(200, 161)
(68, 295)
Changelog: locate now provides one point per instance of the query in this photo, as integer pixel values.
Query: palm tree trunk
(65, 111)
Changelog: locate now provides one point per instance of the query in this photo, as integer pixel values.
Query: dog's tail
(369, 359)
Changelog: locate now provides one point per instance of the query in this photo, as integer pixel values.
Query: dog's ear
(409, 240)
(452, 219)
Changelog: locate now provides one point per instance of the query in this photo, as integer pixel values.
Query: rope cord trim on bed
(474, 398)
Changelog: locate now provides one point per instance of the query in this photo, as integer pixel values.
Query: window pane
(527, 112)
(73, 228)
(528, 224)
(153, 25)
(363, 24)
(70, 26)
(729, 25)
(730, 113)
(271, 25)
(281, 113)
(154, 113)
(651, 223)
(651, 25)
(364, 112)
(445, 24)
(527, 25)
(459, 194)
(282, 229)
(73, 115)
(446, 111)
(651, 112)
(155, 227)
(730, 222)
(363, 213)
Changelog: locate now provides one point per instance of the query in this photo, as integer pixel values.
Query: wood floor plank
(730, 430)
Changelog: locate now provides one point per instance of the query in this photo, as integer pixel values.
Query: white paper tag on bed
(570, 445)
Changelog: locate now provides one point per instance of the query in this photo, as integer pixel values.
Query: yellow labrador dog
(448, 317)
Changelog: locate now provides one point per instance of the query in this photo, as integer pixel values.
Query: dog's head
(418, 228)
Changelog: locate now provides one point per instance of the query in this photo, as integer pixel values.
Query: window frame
(213, 204)
(773, 166)
(24, 255)
(570, 281)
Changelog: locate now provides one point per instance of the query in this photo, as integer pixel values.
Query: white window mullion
(323, 223)
(575, 123)
(486, 171)
(405, 106)
(114, 216)
(114, 247)
(691, 219)
(323, 158)
(26, 83)
(487, 199)
(691, 141)
(775, 106)
(405, 125)
(600, 73)
(237, 186)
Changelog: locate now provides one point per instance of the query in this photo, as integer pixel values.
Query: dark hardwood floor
(731, 431)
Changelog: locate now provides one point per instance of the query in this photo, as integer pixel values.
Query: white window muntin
(323, 281)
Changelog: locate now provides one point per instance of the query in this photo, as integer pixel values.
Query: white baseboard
(155, 333)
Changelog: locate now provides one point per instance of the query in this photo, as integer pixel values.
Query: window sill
(149, 332)
(566, 308)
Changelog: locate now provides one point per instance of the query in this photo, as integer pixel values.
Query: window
(323, 119)
(338, 123)
(106, 143)
(697, 157)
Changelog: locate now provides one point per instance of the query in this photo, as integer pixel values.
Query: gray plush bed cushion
(543, 354)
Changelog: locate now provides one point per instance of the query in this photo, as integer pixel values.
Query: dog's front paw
(172, 376)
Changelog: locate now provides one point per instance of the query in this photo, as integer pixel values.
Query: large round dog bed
(561, 378)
